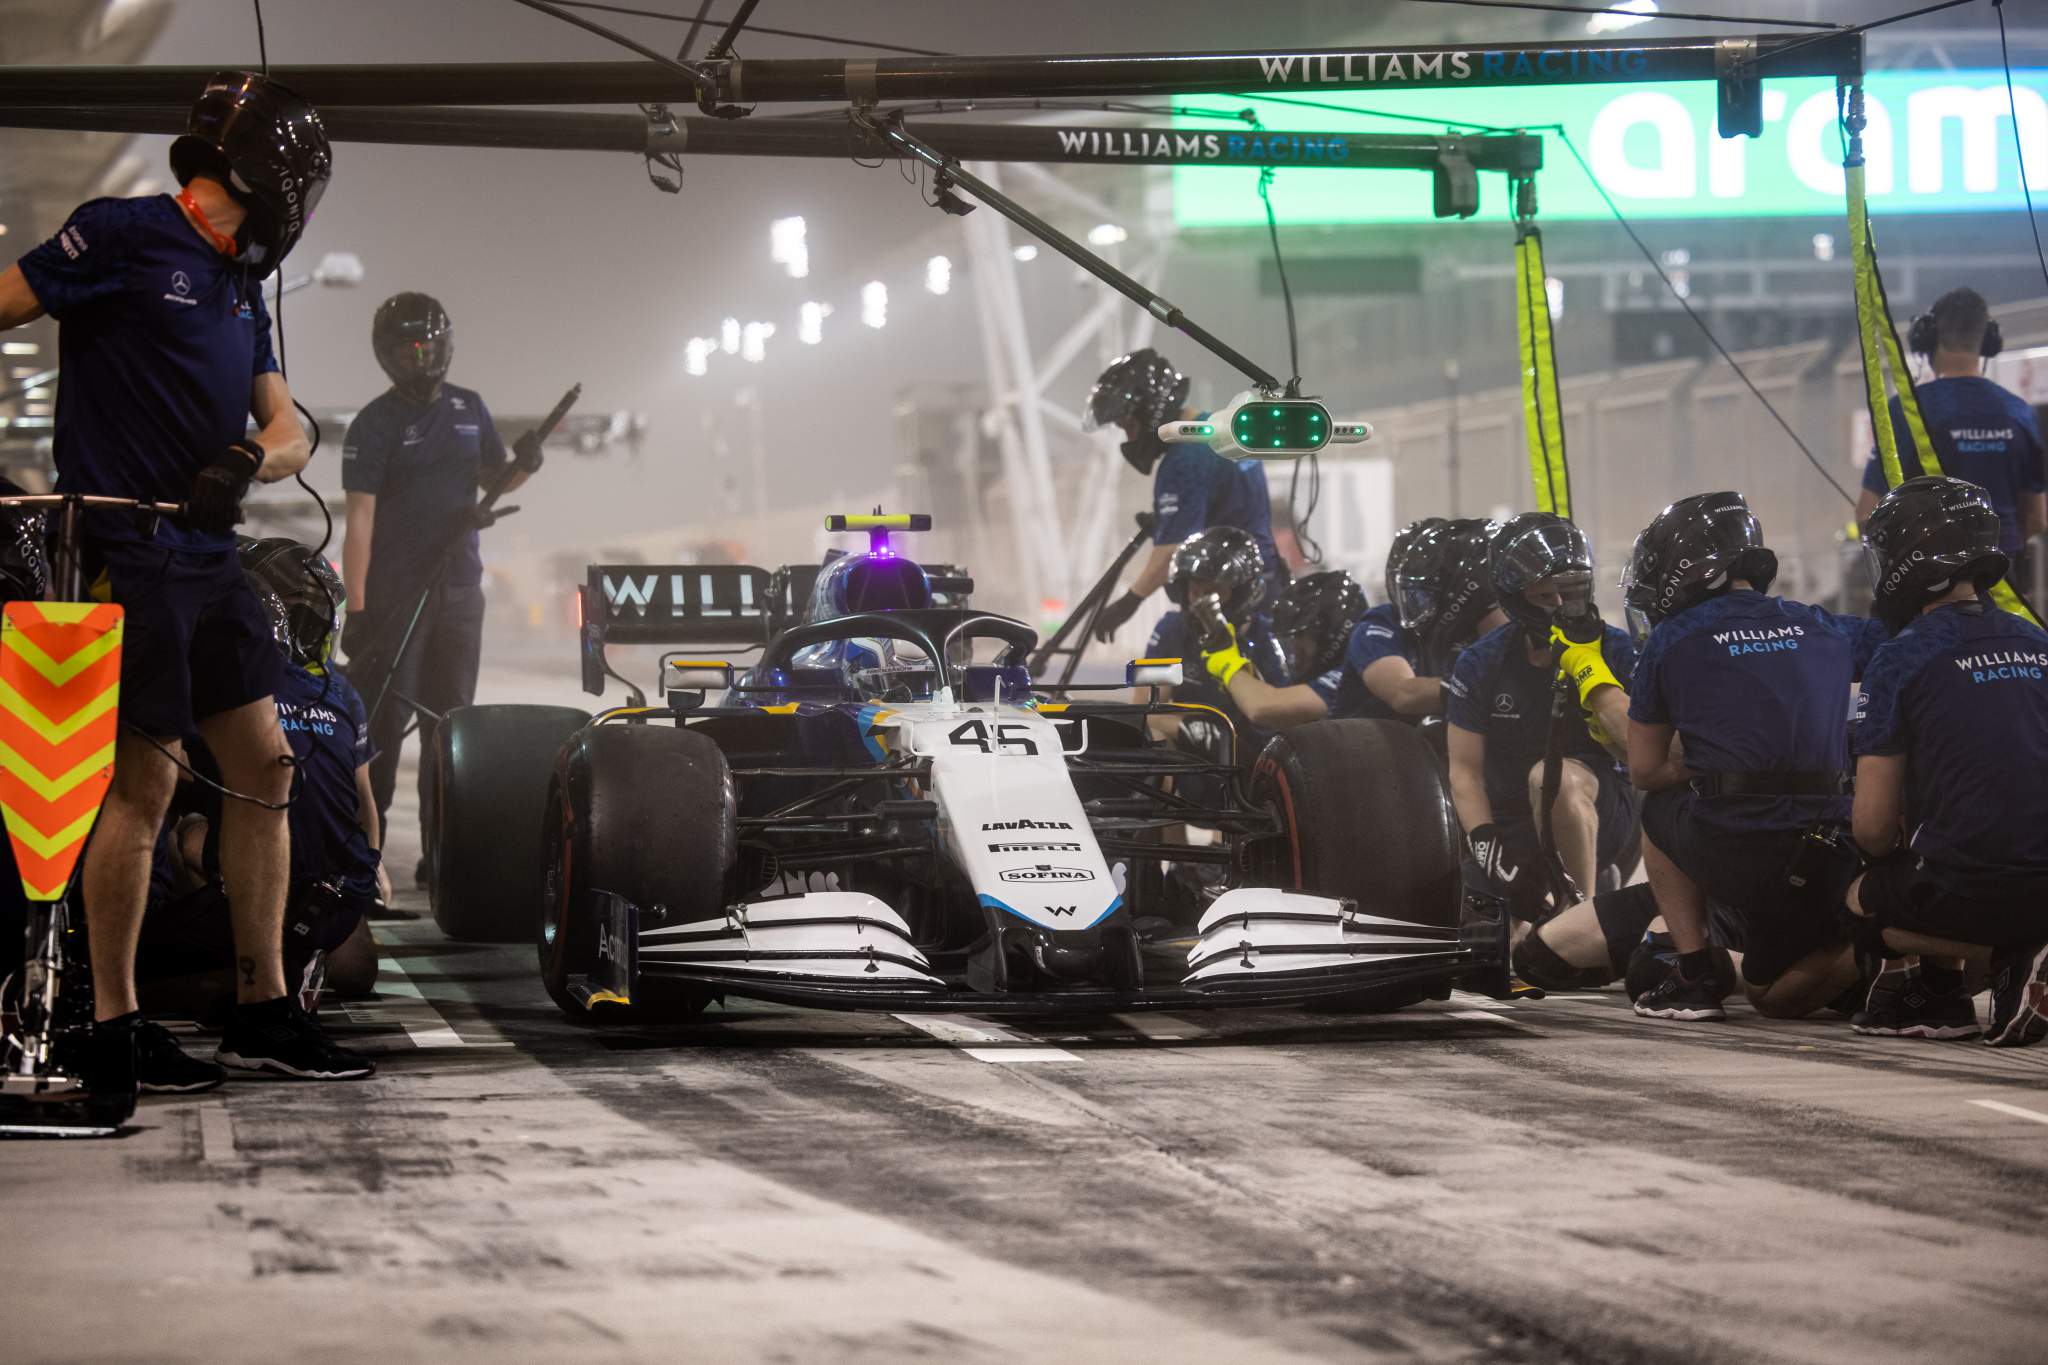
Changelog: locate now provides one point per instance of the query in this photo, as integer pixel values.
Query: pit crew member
(412, 463)
(1981, 432)
(1193, 488)
(1952, 746)
(1757, 688)
(333, 818)
(1541, 567)
(165, 345)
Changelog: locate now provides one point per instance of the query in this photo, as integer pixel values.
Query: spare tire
(485, 875)
(645, 812)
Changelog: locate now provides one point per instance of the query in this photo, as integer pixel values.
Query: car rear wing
(668, 604)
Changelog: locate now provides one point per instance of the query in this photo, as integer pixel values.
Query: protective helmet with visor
(1541, 551)
(1218, 575)
(1695, 549)
(300, 592)
(1404, 539)
(1138, 392)
(1924, 537)
(415, 341)
(268, 149)
(1314, 616)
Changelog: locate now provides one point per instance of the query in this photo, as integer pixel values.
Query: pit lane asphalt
(1465, 1181)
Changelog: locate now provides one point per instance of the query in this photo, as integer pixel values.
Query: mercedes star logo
(181, 282)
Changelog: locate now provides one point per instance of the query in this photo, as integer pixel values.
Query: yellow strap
(1881, 352)
(1542, 409)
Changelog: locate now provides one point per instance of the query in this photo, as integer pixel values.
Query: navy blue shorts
(1750, 874)
(196, 643)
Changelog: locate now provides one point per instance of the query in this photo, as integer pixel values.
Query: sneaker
(1909, 1008)
(1676, 997)
(164, 1068)
(2019, 997)
(106, 1060)
(287, 1040)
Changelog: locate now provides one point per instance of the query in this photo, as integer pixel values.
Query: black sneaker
(1909, 1008)
(2019, 997)
(1676, 997)
(106, 1061)
(164, 1068)
(287, 1041)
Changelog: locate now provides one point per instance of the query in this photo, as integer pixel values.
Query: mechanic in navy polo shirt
(1193, 489)
(165, 347)
(413, 462)
(1384, 664)
(1758, 689)
(1981, 432)
(1500, 725)
(1953, 747)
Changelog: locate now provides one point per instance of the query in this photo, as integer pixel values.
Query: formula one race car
(884, 813)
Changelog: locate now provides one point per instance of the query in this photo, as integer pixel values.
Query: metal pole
(1517, 154)
(866, 80)
(1451, 432)
(1167, 312)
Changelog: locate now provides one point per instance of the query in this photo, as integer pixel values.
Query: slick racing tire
(487, 864)
(1365, 814)
(646, 813)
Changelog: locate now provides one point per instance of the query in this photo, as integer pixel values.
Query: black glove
(1583, 627)
(526, 453)
(215, 503)
(1112, 617)
(1496, 860)
(358, 635)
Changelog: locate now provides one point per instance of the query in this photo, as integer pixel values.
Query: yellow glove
(1598, 730)
(1585, 665)
(1225, 663)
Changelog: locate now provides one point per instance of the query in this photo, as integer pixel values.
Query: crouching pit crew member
(1541, 568)
(1757, 690)
(1315, 622)
(1193, 489)
(165, 345)
(412, 463)
(1952, 746)
(335, 874)
(1218, 584)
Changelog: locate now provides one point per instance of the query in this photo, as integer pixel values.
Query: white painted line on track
(995, 1043)
(406, 995)
(1487, 1015)
(1484, 1002)
(216, 1133)
(2013, 1109)
(1160, 1028)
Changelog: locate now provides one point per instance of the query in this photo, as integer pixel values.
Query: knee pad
(1537, 963)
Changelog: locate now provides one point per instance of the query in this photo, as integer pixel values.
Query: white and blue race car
(884, 812)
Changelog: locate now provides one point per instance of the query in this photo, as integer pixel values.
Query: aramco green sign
(1938, 142)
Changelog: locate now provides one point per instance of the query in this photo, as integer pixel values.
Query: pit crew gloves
(526, 453)
(1584, 664)
(215, 503)
(358, 635)
(1225, 663)
(1495, 859)
(1112, 617)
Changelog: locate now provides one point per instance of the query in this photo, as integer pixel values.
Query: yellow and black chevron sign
(60, 689)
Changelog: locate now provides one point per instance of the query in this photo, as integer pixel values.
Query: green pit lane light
(1268, 428)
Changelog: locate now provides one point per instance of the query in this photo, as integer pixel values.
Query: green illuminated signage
(1280, 424)
(1938, 142)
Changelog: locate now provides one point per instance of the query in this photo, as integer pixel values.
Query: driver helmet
(1232, 566)
(1694, 550)
(1144, 389)
(268, 149)
(1541, 551)
(1314, 616)
(414, 340)
(301, 593)
(1925, 536)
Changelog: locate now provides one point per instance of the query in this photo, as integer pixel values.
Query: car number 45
(1010, 737)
